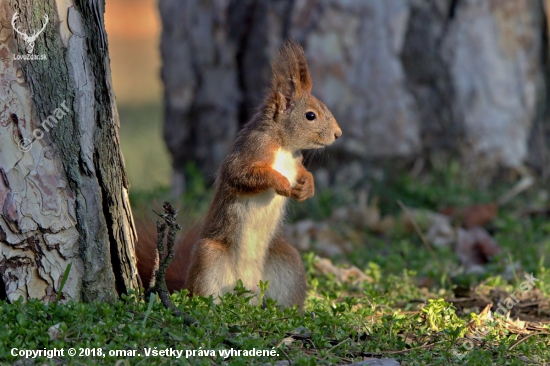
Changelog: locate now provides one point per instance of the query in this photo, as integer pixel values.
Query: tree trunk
(200, 80)
(402, 77)
(63, 188)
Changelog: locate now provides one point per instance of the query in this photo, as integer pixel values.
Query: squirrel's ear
(290, 75)
(303, 71)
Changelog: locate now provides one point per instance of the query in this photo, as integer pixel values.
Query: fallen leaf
(441, 233)
(350, 275)
(54, 332)
(425, 282)
(515, 326)
(474, 215)
(327, 240)
(287, 341)
(533, 304)
(364, 215)
(527, 360)
(475, 246)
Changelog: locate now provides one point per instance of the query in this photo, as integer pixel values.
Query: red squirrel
(241, 236)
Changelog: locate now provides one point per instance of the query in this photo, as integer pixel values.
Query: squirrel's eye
(310, 116)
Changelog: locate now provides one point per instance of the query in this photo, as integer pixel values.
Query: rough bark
(64, 197)
(494, 53)
(403, 77)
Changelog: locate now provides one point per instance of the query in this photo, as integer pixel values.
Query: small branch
(163, 258)
(332, 349)
(161, 229)
(380, 353)
(425, 241)
(525, 338)
(525, 183)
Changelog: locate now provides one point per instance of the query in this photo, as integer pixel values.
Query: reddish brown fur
(223, 251)
(145, 250)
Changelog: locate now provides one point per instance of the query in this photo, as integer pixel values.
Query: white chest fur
(285, 163)
(260, 218)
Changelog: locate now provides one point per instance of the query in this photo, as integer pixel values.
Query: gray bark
(200, 84)
(404, 78)
(64, 196)
(494, 51)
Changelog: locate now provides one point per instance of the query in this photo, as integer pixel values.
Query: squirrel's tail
(145, 252)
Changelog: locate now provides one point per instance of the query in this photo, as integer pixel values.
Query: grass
(391, 317)
(403, 313)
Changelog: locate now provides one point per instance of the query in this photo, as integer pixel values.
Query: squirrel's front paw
(282, 185)
(304, 188)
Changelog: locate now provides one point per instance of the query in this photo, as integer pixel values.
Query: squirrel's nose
(338, 133)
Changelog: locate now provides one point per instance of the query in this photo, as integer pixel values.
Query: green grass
(390, 317)
(402, 314)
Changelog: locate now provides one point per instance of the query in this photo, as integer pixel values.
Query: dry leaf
(441, 233)
(351, 275)
(54, 332)
(474, 215)
(515, 326)
(364, 215)
(475, 246)
(533, 304)
(328, 241)
(287, 341)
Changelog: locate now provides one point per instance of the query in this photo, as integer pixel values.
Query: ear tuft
(290, 73)
(303, 71)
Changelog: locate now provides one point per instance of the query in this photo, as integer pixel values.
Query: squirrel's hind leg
(285, 272)
(210, 272)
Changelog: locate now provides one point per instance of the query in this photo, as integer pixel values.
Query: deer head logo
(29, 40)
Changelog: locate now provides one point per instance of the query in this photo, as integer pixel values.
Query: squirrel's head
(305, 121)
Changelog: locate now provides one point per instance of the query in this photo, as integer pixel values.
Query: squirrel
(241, 236)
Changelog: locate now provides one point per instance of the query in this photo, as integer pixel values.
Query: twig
(525, 338)
(425, 241)
(332, 348)
(286, 356)
(163, 258)
(161, 229)
(525, 183)
(266, 320)
(401, 351)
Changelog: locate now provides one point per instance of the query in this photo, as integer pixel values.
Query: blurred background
(414, 84)
(133, 28)
(444, 106)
